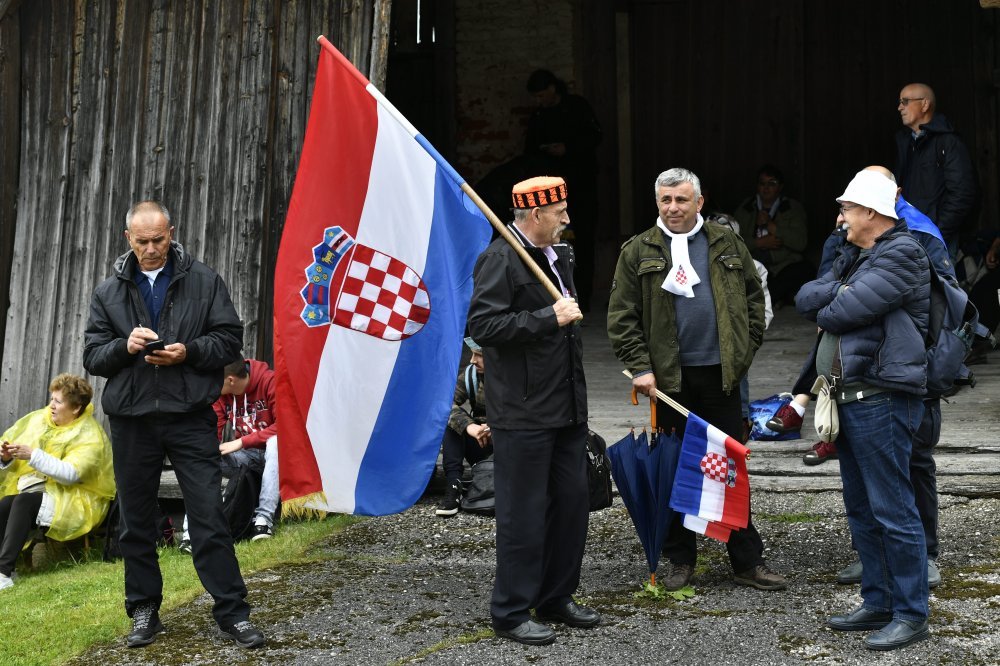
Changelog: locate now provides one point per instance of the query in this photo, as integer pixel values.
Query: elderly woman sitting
(55, 472)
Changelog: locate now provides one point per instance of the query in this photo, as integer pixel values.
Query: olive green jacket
(641, 313)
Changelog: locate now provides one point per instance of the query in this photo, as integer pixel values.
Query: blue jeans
(266, 461)
(876, 435)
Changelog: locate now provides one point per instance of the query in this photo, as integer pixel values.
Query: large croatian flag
(711, 485)
(371, 291)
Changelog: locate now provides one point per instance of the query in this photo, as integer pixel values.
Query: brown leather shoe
(678, 576)
(762, 578)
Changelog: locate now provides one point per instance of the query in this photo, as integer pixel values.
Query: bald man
(933, 165)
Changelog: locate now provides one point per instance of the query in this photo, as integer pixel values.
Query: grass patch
(53, 614)
(446, 644)
(802, 517)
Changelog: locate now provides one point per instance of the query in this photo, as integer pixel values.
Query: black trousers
(455, 448)
(922, 473)
(541, 516)
(190, 441)
(17, 518)
(701, 392)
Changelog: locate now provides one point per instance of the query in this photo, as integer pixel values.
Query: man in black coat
(933, 165)
(159, 399)
(536, 405)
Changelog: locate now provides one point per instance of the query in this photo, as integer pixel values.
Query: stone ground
(415, 588)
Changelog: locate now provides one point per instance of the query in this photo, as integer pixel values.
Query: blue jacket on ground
(882, 315)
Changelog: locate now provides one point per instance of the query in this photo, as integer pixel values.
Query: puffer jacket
(197, 312)
(535, 366)
(937, 175)
(641, 314)
(882, 316)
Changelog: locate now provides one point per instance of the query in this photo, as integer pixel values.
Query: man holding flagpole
(686, 316)
(536, 404)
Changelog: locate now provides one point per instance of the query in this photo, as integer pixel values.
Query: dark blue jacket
(881, 317)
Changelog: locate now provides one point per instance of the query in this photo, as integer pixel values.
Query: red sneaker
(785, 420)
(820, 453)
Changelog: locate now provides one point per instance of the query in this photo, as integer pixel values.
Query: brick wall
(498, 43)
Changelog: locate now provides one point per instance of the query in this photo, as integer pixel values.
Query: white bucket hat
(872, 190)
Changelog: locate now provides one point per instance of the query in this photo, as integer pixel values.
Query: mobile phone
(154, 345)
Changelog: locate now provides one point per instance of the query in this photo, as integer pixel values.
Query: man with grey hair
(686, 316)
(161, 329)
(536, 405)
(872, 308)
(933, 165)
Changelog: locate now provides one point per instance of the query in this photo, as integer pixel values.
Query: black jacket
(198, 312)
(937, 175)
(535, 367)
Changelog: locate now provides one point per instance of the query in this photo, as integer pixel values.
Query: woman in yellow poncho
(55, 472)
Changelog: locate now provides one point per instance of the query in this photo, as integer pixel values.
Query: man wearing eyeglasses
(873, 310)
(933, 165)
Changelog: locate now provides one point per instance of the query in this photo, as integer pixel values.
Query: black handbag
(598, 472)
(481, 497)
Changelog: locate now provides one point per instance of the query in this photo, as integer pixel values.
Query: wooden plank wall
(201, 104)
(723, 87)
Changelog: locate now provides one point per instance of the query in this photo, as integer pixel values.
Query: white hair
(676, 176)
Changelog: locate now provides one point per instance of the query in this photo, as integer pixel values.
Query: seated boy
(467, 435)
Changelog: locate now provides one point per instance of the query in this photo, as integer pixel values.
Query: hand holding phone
(154, 345)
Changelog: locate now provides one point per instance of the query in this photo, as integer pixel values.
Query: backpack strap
(472, 385)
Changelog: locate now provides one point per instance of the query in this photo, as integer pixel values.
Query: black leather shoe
(899, 633)
(244, 633)
(859, 619)
(145, 625)
(528, 633)
(571, 614)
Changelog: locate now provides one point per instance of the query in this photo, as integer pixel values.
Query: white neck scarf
(682, 277)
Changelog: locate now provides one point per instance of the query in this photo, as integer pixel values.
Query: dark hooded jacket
(937, 175)
(197, 312)
(882, 315)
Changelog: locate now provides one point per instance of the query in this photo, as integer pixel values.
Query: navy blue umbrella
(643, 471)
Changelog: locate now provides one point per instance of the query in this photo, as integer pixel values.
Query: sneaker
(933, 574)
(449, 505)
(851, 574)
(245, 634)
(260, 531)
(678, 576)
(145, 625)
(762, 578)
(185, 545)
(785, 419)
(820, 453)
(5, 582)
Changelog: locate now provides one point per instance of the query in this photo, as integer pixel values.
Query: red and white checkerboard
(715, 467)
(382, 296)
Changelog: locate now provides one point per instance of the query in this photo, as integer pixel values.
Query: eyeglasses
(768, 183)
(844, 209)
(903, 101)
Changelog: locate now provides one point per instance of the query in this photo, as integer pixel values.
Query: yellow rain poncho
(80, 507)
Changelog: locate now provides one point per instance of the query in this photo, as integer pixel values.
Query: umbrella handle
(652, 413)
(635, 397)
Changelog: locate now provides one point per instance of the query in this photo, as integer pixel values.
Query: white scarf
(682, 277)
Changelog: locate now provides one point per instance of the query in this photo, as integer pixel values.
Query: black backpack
(481, 497)
(239, 501)
(112, 531)
(598, 472)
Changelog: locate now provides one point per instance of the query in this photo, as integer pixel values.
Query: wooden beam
(989, 4)
(380, 43)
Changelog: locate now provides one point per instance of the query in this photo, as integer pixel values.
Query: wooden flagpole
(684, 411)
(514, 243)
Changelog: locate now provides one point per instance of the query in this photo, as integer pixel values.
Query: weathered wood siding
(199, 103)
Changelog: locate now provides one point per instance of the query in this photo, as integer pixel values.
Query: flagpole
(450, 170)
(684, 411)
